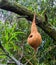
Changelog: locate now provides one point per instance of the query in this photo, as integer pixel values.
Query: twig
(11, 57)
(28, 61)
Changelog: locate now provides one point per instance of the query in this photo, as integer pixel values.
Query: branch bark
(21, 10)
(11, 57)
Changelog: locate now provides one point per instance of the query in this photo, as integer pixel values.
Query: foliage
(14, 33)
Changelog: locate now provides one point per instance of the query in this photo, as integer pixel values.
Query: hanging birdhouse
(34, 39)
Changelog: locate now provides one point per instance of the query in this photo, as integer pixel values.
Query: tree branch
(21, 10)
(11, 57)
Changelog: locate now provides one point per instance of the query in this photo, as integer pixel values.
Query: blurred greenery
(14, 32)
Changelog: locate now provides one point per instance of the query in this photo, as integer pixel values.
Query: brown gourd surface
(34, 39)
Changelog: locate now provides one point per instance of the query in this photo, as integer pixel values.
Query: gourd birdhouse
(34, 39)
